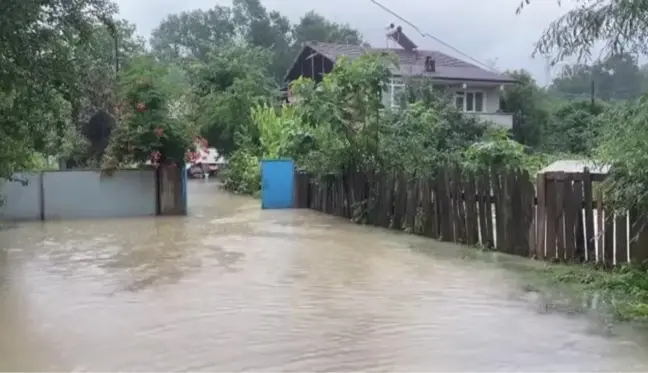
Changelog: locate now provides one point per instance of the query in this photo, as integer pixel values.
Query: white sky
(488, 30)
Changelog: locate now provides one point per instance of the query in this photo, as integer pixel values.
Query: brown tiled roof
(447, 67)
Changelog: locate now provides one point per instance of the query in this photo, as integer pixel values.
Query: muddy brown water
(234, 288)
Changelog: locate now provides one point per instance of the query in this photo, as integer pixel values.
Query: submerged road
(234, 288)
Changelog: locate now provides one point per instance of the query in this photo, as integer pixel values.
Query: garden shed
(577, 167)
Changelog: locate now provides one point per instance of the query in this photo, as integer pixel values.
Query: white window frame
(395, 83)
(463, 93)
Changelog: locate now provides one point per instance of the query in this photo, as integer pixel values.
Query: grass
(625, 288)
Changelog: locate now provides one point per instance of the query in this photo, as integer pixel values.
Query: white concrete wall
(78, 194)
(21, 201)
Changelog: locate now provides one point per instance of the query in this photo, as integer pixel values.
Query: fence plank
(559, 219)
(482, 200)
(527, 207)
(411, 205)
(400, 202)
(639, 237)
(499, 217)
(520, 215)
(379, 194)
(432, 223)
(446, 214)
(608, 234)
(621, 238)
(460, 220)
(387, 198)
(599, 224)
(569, 219)
(509, 197)
(490, 224)
(551, 216)
(579, 229)
(540, 217)
(472, 227)
(589, 215)
(452, 193)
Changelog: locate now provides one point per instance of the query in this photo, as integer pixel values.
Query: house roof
(410, 64)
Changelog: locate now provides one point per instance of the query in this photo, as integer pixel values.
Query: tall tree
(225, 88)
(37, 43)
(313, 26)
(268, 30)
(617, 77)
(192, 34)
(573, 127)
(530, 107)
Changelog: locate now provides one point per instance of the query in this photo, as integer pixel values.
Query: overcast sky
(488, 30)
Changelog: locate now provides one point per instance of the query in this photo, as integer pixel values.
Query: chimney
(399, 37)
(430, 64)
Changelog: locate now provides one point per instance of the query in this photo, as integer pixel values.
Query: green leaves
(624, 145)
(620, 25)
(225, 89)
(147, 129)
(39, 79)
(496, 150)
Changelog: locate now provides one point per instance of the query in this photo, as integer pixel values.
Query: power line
(426, 34)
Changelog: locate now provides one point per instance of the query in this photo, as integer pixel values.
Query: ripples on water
(233, 288)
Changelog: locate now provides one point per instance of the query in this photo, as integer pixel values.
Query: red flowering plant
(147, 132)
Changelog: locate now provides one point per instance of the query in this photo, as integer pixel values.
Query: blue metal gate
(277, 183)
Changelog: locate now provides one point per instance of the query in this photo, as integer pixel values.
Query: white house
(476, 91)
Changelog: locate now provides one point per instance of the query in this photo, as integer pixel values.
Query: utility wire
(426, 34)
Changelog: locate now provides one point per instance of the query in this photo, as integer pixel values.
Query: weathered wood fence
(561, 218)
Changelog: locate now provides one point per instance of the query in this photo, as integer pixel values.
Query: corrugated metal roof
(576, 166)
(411, 64)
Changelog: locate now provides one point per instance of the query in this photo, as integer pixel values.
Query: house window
(395, 92)
(470, 101)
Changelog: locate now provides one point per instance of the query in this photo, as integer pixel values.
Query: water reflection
(234, 288)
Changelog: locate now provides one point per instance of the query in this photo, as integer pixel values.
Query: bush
(243, 173)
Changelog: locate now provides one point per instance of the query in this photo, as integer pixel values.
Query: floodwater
(234, 288)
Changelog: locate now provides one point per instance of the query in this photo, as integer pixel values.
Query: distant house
(476, 91)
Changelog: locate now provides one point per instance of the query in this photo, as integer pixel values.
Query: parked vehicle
(208, 162)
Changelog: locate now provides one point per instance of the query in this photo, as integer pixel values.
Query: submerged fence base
(493, 208)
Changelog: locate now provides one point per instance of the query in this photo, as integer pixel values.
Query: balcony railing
(499, 119)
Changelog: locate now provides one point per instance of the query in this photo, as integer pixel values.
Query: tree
(313, 26)
(615, 78)
(573, 127)
(192, 34)
(621, 25)
(93, 91)
(225, 88)
(624, 146)
(197, 33)
(147, 130)
(267, 30)
(37, 78)
(530, 107)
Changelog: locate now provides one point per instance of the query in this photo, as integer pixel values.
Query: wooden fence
(495, 209)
